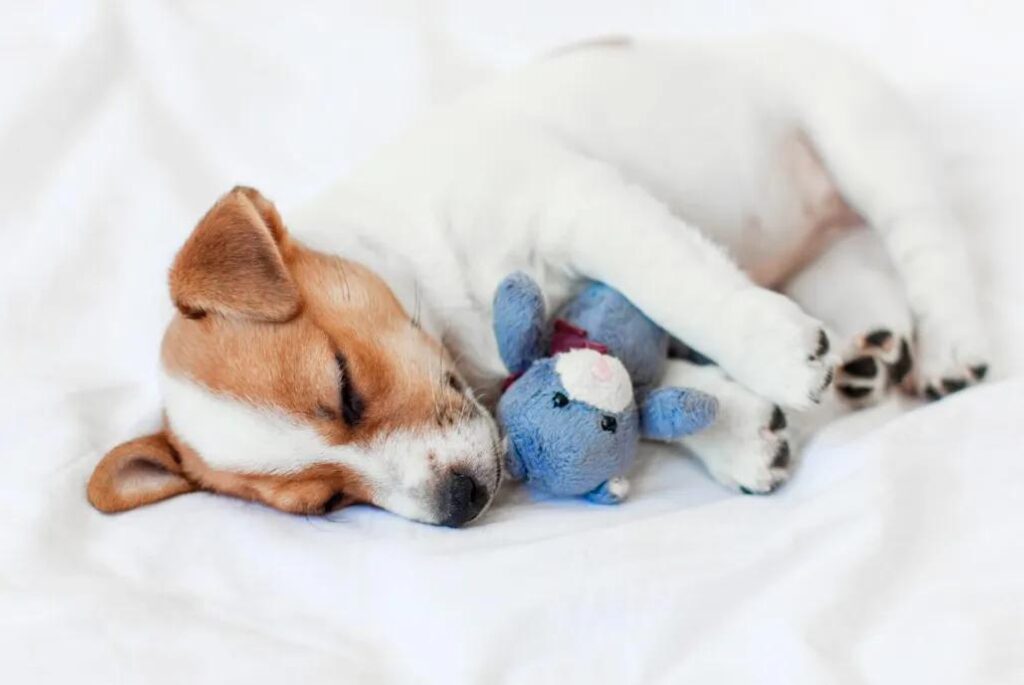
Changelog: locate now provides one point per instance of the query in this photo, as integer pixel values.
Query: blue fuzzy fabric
(612, 320)
(668, 413)
(520, 334)
(564, 450)
(603, 494)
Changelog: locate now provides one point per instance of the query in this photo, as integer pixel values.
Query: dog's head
(297, 379)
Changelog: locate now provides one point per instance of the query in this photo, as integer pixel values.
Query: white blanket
(896, 555)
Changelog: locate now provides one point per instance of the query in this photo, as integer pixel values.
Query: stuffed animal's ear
(519, 321)
(672, 413)
(233, 263)
(135, 473)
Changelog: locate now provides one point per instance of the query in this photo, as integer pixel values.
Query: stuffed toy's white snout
(597, 379)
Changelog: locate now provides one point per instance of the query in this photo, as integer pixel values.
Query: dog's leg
(592, 219)
(872, 146)
(747, 447)
(854, 289)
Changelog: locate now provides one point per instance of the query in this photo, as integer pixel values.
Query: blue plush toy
(580, 396)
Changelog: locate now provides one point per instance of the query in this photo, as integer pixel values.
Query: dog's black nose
(463, 498)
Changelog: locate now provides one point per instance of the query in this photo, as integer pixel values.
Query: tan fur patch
(135, 473)
(268, 322)
(232, 263)
(314, 490)
(396, 369)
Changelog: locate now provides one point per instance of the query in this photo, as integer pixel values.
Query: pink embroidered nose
(601, 369)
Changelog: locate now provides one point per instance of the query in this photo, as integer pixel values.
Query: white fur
(673, 173)
(738, 448)
(142, 478)
(597, 379)
(402, 468)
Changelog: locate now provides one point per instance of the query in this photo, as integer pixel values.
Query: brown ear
(232, 263)
(138, 472)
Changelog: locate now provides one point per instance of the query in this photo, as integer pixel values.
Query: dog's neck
(349, 227)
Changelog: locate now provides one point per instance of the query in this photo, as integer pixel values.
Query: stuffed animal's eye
(560, 400)
(608, 423)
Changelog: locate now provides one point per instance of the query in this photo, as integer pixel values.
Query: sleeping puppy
(768, 202)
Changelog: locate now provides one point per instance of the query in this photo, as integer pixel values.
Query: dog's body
(691, 178)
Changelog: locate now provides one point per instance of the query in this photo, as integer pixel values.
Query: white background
(896, 555)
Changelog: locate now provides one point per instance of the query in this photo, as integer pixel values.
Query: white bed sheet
(896, 554)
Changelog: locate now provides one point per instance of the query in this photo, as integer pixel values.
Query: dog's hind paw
(947, 365)
(879, 360)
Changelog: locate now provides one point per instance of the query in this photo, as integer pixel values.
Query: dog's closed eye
(352, 404)
(454, 383)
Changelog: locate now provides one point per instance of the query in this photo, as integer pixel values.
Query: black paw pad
(852, 392)
(899, 370)
(778, 421)
(861, 367)
(878, 338)
(830, 376)
(823, 346)
(953, 384)
(979, 371)
(781, 459)
(931, 393)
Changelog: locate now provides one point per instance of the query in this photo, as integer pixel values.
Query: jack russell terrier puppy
(770, 203)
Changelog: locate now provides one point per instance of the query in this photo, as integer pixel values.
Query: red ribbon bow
(564, 338)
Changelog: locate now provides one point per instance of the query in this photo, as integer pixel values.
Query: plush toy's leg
(854, 289)
(747, 447)
(672, 413)
(600, 225)
(612, 491)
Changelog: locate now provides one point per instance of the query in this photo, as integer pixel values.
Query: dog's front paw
(781, 353)
(948, 361)
(748, 448)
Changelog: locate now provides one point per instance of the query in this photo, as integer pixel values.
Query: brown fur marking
(232, 263)
(261, 319)
(137, 472)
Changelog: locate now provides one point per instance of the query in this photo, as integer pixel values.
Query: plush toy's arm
(519, 321)
(672, 413)
(612, 491)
